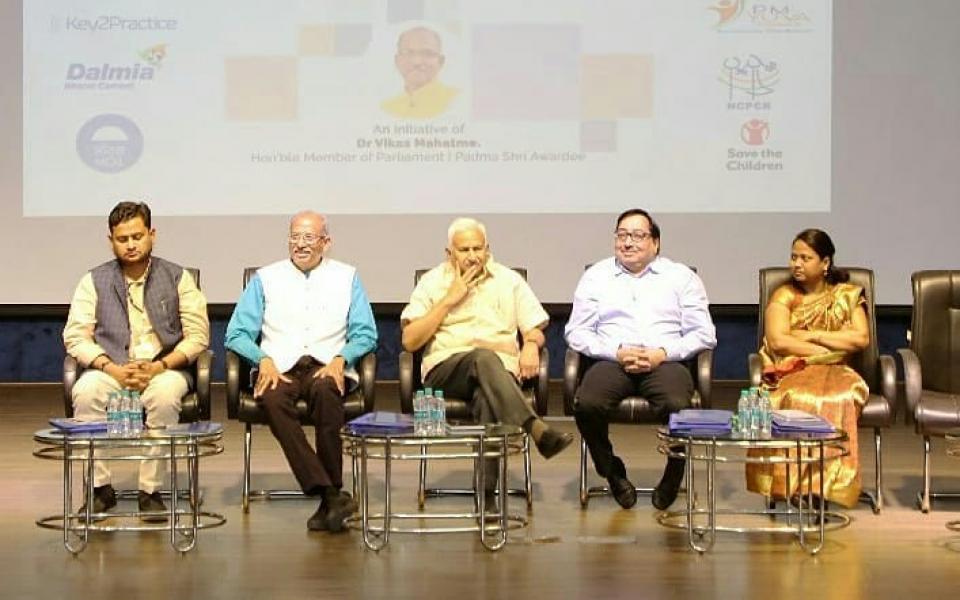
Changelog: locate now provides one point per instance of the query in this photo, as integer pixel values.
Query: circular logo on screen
(109, 143)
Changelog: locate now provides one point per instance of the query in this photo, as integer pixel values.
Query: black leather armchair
(632, 409)
(878, 371)
(242, 406)
(195, 406)
(931, 365)
(458, 409)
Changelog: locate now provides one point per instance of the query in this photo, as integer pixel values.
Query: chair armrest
(705, 377)
(755, 365)
(368, 380)
(71, 371)
(541, 392)
(888, 384)
(202, 366)
(233, 384)
(571, 379)
(406, 382)
(912, 382)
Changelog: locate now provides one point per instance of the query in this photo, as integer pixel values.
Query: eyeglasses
(425, 54)
(308, 238)
(623, 235)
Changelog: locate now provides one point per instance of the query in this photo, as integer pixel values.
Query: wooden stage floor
(602, 552)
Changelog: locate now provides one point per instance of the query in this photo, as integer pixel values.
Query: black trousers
(318, 467)
(605, 384)
(479, 375)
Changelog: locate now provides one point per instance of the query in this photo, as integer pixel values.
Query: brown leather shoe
(624, 492)
(338, 509)
(318, 521)
(552, 443)
(666, 491)
(104, 498)
(152, 508)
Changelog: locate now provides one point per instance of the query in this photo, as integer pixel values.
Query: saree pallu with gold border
(833, 390)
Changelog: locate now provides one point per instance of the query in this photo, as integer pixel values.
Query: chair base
(601, 490)
(874, 499)
(423, 492)
(182, 495)
(925, 496)
(925, 505)
(275, 494)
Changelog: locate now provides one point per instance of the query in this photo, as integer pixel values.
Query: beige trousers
(161, 401)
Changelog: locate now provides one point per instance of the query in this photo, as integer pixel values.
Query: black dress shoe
(104, 498)
(318, 521)
(552, 443)
(338, 509)
(152, 508)
(666, 491)
(624, 492)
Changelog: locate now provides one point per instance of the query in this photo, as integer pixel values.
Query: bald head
(310, 217)
(419, 57)
(420, 35)
(308, 239)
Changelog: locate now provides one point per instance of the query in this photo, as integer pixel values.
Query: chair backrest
(195, 273)
(866, 362)
(248, 274)
(935, 328)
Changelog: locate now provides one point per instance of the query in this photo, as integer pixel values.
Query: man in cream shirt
(466, 313)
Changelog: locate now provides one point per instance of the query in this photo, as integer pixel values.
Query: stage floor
(566, 552)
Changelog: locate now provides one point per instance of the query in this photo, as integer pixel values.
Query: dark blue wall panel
(31, 349)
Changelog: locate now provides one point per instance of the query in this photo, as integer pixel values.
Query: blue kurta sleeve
(246, 321)
(361, 327)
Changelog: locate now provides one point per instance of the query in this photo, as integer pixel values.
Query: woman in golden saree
(812, 325)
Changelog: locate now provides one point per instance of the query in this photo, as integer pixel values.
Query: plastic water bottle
(766, 414)
(125, 413)
(136, 414)
(419, 413)
(755, 416)
(440, 417)
(113, 414)
(743, 412)
(431, 407)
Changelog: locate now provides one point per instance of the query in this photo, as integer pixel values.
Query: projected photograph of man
(419, 60)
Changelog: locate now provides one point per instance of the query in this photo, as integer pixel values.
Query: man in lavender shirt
(636, 316)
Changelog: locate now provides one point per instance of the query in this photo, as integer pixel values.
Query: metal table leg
(498, 537)
(818, 514)
(79, 532)
(695, 535)
(372, 539)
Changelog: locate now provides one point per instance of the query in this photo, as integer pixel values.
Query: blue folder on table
(380, 422)
(72, 425)
(696, 421)
(797, 421)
